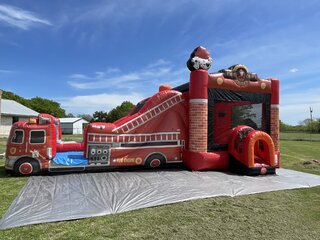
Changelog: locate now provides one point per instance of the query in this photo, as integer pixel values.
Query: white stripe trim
(198, 100)
(128, 134)
(154, 147)
(274, 105)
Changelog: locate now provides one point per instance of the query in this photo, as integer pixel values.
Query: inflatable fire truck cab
(216, 121)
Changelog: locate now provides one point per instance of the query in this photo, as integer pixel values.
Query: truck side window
(37, 137)
(17, 136)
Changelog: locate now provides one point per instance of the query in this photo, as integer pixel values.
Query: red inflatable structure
(228, 119)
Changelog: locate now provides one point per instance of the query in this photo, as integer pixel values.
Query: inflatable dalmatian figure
(199, 59)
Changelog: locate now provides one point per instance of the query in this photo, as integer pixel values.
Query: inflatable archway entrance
(254, 149)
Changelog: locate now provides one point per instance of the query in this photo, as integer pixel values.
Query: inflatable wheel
(155, 160)
(26, 166)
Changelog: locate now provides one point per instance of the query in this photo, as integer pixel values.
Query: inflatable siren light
(32, 120)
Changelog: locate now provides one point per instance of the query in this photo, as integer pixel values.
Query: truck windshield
(17, 136)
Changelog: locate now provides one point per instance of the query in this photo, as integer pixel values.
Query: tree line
(38, 104)
(43, 105)
(306, 125)
(115, 114)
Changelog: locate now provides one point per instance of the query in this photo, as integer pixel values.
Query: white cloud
(294, 70)
(155, 73)
(131, 86)
(5, 71)
(78, 76)
(20, 18)
(99, 102)
(159, 62)
(100, 81)
(117, 12)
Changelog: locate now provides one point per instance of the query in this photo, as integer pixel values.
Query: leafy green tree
(115, 114)
(311, 126)
(291, 128)
(38, 104)
(100, 116)
(119, 111)
(43, 105)
(17, 98)
(285, 127)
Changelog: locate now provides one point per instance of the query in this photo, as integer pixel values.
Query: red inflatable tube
(198, 84)
(69, 146)
(232, 141)
(199, 161)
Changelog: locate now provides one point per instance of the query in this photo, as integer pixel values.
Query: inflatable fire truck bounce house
(216, 121)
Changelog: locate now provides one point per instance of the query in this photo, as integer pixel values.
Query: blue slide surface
(70, 159)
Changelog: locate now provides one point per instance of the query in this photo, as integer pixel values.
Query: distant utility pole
(311, 120)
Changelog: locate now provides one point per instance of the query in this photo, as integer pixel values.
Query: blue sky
(92, 55)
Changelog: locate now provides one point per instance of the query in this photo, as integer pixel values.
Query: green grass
(301, 156)
(76, 137)
(290, 214)
(300, 136)
(3, 143)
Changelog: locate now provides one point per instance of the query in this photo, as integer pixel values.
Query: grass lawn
(291, 214)
(300, 136)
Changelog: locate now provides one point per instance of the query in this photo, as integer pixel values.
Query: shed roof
(13, 108)
(71, 120)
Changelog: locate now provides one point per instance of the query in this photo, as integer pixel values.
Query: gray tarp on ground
(64, 197)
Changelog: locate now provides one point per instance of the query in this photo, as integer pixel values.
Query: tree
(87, 117)
(115, 114)
(43, 105)
(311, 126)
(12, 96)
(100, 116)
(38, 104)
(119, 111)
(70, 115)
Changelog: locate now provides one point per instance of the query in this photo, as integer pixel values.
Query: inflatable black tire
(26, 166)
(155, 160)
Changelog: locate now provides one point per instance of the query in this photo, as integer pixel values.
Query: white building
(73, 125)
(11, 112)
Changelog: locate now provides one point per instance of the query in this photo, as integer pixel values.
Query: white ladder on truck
(148, 115)
(134, 138)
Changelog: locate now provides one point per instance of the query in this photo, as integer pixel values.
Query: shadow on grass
(4, 173)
